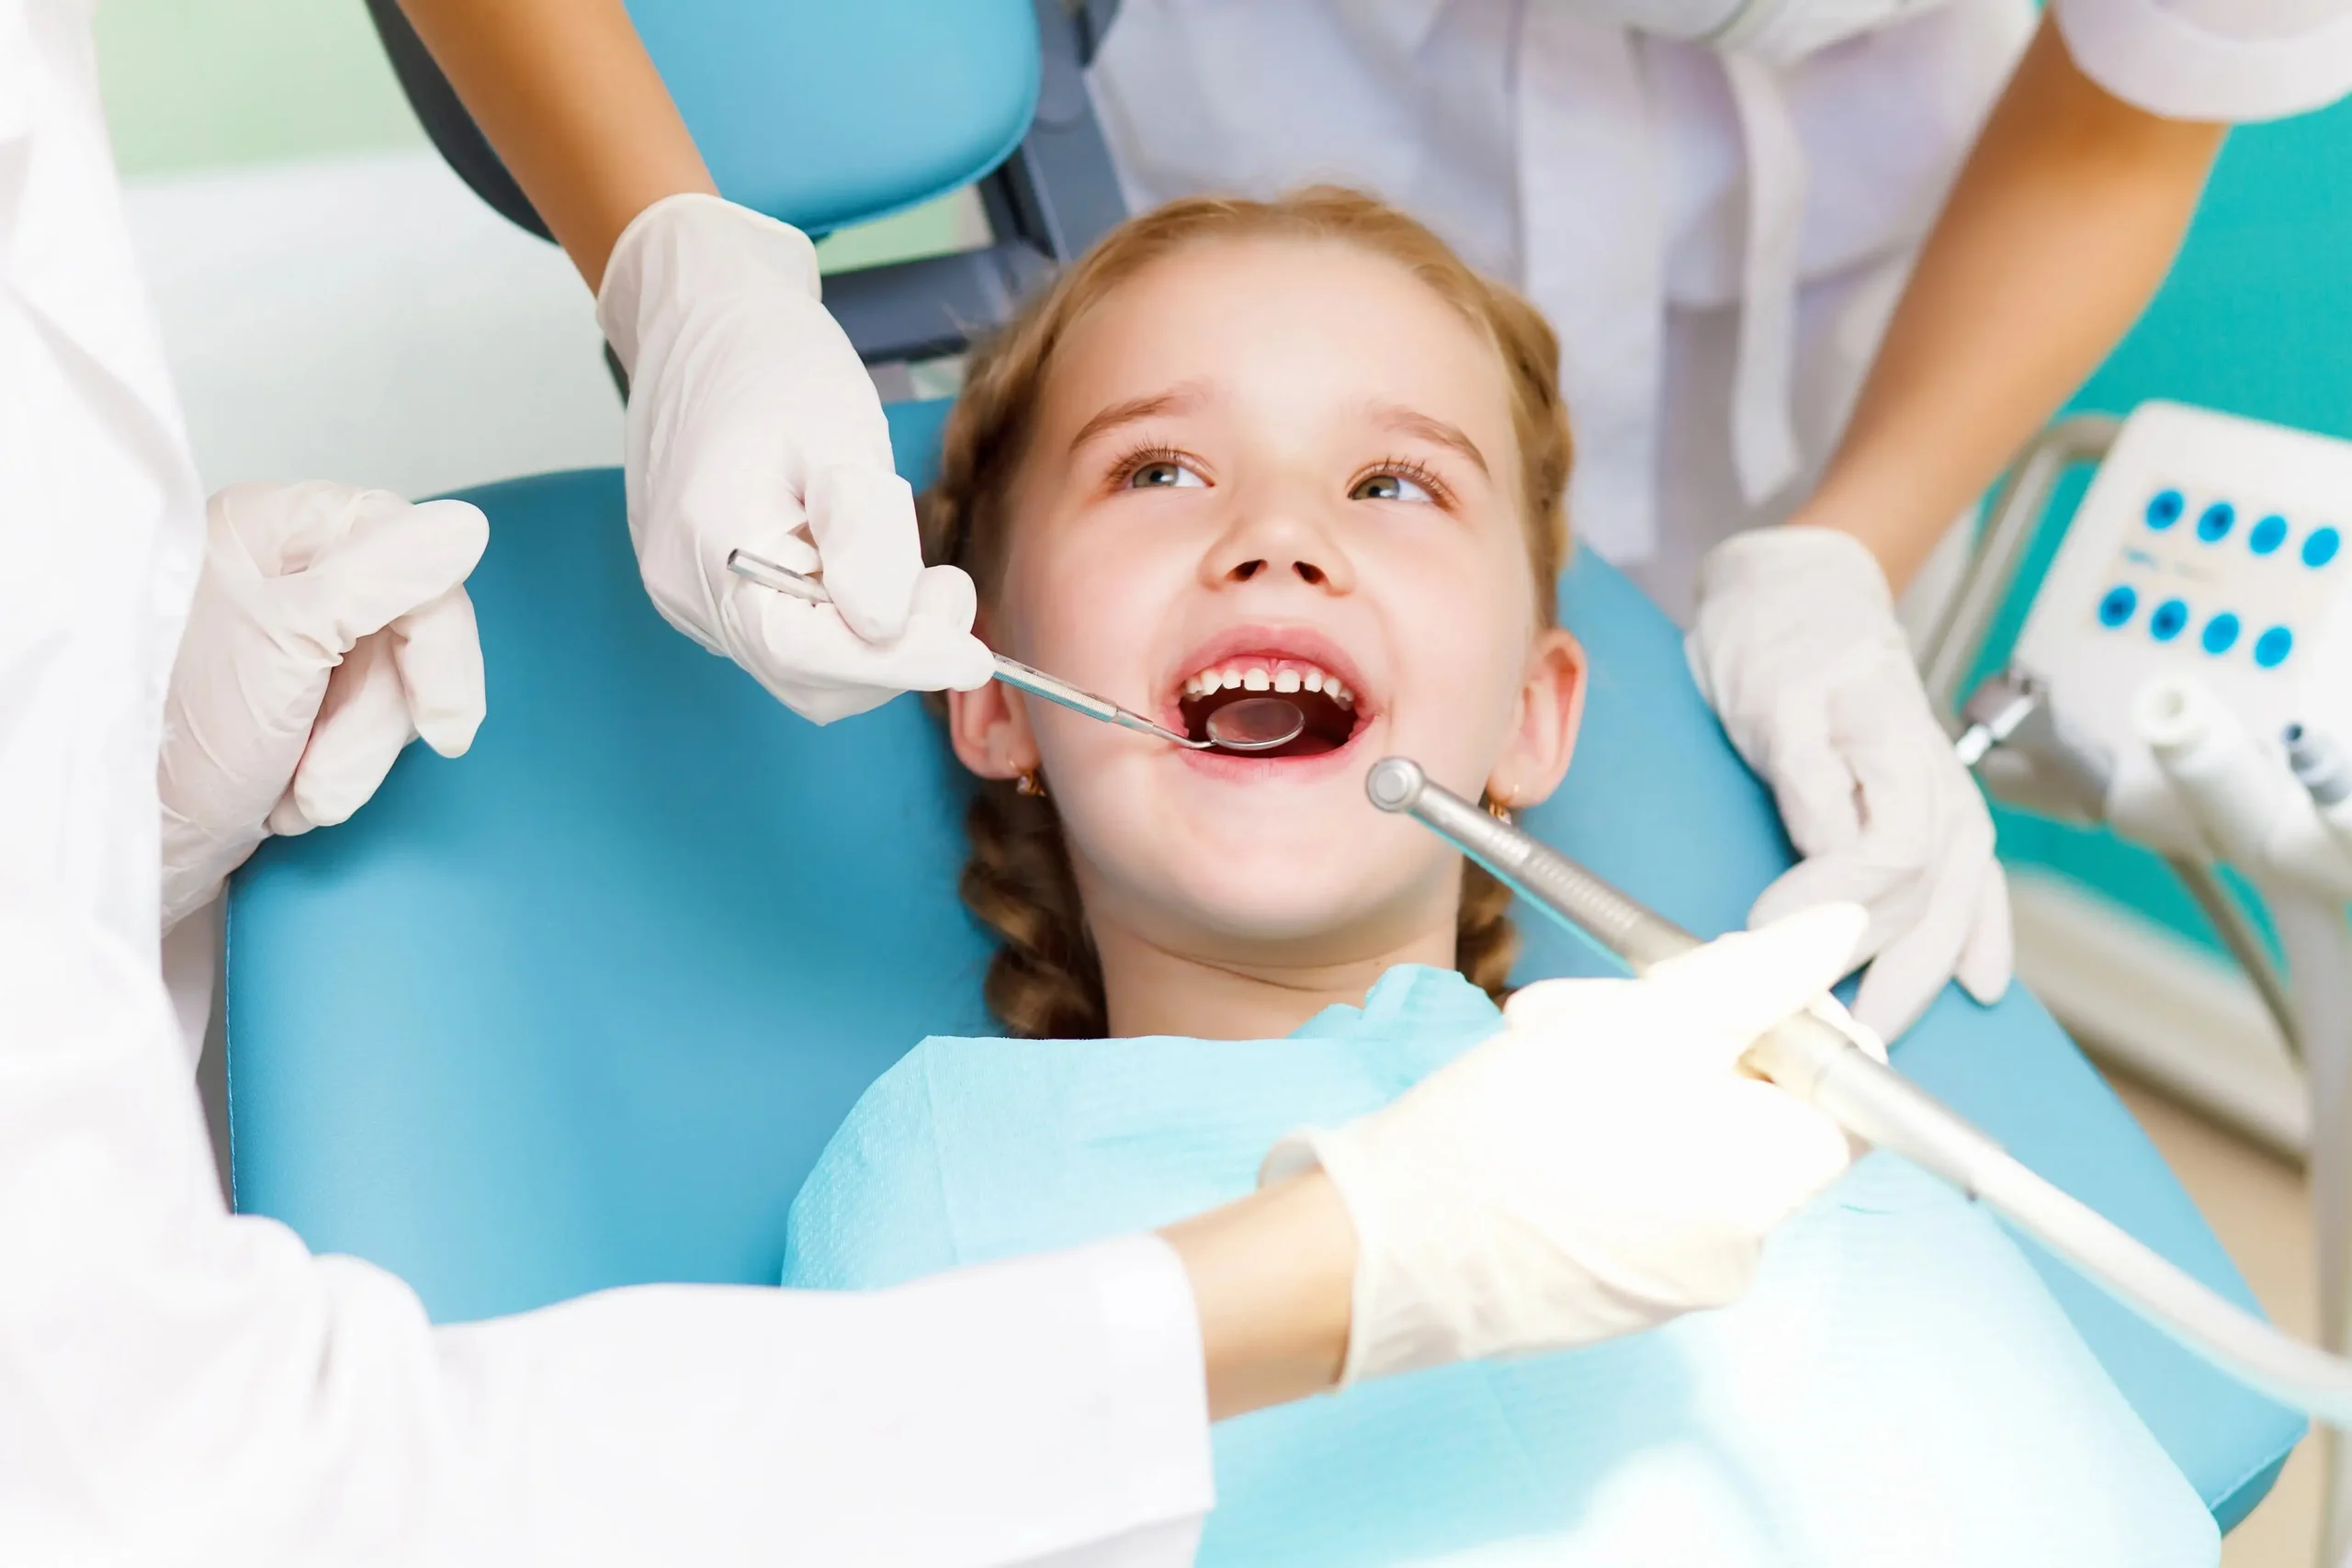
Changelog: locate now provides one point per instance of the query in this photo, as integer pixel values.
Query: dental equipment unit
(1253, 724)
(1813, 1059)
(2183, 678)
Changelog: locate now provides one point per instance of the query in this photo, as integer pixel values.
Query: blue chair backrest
(581, 1008)
(820, 114)
(828, 114)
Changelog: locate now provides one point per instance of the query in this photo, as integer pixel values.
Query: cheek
(1462, 637)
(1082, 603)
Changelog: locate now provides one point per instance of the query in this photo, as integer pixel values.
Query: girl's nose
(1278, 545)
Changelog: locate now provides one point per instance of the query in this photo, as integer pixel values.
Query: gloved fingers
(1724, 994)
(1557, 1004)
(1988, 960)
(1833, 1013)
(393, 558)
(1900, 786)
(1712, 1004)
(437, 650)
(1786, 1151)
(946, 604)
(361, 728)
(1714, 995)
(1945, 907)
(807, 655)
(1906, 977)
(262, 530)
(795, 553)
(863, 518)
(1812, 779)
(1843, 877)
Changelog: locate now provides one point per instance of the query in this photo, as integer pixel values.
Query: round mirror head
(1256, 723)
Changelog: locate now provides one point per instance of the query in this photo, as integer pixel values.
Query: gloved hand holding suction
(753, 424)
(328, 630)
(1598, 1167)
(1796, 645)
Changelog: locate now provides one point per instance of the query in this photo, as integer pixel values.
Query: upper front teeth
(1252, 676)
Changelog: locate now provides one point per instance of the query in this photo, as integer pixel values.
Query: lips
(1299, 665)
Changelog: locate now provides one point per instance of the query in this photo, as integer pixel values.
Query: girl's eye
(1389, 487)
(1164, 473)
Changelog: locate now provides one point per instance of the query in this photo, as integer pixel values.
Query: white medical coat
(1719, 239)
(181, 1386)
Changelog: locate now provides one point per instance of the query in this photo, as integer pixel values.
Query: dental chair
(581, 1008)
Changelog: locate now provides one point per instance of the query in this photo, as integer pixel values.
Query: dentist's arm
(564, 91)
(2058, 231)
(2063, 222)
(752, 422)
(179, 1384)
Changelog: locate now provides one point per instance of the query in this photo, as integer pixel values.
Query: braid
(1486, 943)
(1044, 982)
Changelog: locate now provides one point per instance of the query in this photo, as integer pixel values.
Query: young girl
(1298, 447)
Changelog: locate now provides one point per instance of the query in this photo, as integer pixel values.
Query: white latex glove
(328, 631)
(753, 426)
(1796, 645)
(1598, 1167)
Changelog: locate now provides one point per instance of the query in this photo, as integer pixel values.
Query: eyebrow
(1175, 400)
(1411, 422)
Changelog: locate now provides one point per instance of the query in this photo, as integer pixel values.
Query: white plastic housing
(2237, 795)
(2217, 550)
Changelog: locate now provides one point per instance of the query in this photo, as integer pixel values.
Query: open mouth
(1329, 704)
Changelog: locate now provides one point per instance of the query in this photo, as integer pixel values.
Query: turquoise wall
(2257, 319)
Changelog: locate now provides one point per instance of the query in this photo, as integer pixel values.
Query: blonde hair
(1045, 981)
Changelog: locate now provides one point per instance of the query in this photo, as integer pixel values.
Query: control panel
(2211, 547)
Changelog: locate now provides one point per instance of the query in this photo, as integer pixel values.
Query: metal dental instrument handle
(1813, 1060)
(1012, 672)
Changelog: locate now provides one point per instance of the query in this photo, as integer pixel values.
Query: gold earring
(1029, 783)
(1499, 808)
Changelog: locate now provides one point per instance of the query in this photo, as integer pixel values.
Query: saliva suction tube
(1811, 1058)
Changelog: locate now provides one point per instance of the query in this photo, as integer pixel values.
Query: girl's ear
(1543, 730)
(990, 730)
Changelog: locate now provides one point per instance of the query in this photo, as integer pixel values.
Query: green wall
(208, 84)
(195, 85)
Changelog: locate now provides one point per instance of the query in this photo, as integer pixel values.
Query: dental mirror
(1253, 724)
(1256, 723)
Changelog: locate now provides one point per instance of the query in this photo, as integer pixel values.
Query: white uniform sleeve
(2235, 61)
(179, 1385)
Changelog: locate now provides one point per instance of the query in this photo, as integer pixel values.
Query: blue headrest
(581, 1008)
(914, 98)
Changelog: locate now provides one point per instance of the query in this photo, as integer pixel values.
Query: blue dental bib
(1898, 1387)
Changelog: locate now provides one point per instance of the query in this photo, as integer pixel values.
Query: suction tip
(1393, 783)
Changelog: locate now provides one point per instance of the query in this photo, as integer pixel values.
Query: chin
(1308, 894)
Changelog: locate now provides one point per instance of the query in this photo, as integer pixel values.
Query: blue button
(2270, 650)
(2214, 524)
(2117, 607)
(2267, 535)
(2164, 623)
(2163, 508)
(2320, 547)
(2221, 632)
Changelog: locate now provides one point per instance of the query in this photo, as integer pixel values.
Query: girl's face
(1289, 461)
